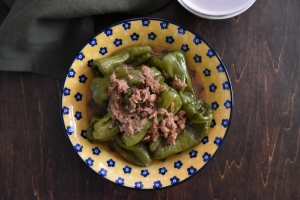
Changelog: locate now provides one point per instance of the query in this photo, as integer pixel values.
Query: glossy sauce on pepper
(93, 108)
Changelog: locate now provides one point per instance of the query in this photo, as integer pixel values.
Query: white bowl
(218, 7)
(213, 16)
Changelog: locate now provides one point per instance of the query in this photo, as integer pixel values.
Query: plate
(215, 17)
(211, 81)
(217, 7)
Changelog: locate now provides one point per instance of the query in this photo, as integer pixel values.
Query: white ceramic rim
(221, 7)
(214, 17)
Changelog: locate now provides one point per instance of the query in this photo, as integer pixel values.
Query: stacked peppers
(172, 64)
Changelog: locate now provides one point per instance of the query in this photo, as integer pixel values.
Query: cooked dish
(151, 108)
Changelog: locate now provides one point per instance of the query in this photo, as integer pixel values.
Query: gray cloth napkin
(43, 36)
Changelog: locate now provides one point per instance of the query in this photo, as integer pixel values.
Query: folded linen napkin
(43, 36)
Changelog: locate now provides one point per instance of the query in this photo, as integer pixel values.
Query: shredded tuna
(132, 113)
(178, 84)
(130, 77)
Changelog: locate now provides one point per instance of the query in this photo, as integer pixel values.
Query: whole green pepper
(107, 65)
(137, 136)
(153, 145)
(137, 154)
(198, 112)
(168, 96)
(105, 127)
(90, 131)
(99, 87)
(135, 74)
(185, 139)
(174, 64)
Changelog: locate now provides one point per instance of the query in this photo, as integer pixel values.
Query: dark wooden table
(259, 159)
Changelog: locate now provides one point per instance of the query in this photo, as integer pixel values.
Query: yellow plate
(211, 81)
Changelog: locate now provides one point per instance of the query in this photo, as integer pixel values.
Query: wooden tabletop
(259, 158)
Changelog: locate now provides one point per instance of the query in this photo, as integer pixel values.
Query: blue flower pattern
(78, 115)
(127, 170)
(225, 123)
(164, 25)
(212, 87)
(218, 141)
(93, 42)
(126, 25)
(178, 164)
(144, 172)
(89, 161)
(157, 184)
(83, 134)
(227, 104)
(210, 53)
(214, 105)
(102, 172)
(197, 58)
(197, 40)
(220, 68)
(162, 171)
(205, 140)
(213, 123)
(206, 156)
(185, 47)
(181, 31)
(65, 110)
(70, 130)
(118, 42)
(82, 78)
(138, 185)
(66, 91)
(169, 39)
(78, 96)
(191, 170)
(111, 163)
(206, 72)
(134, 37)
(108, 32)
(78, 148)
(71, 73)
(145, 22)
(96, 151)
(151, 36)
(120, 181)
(90, 62)
(174, 180)
(80, 56)
(193, 154)
(226, 85)
(103, 51)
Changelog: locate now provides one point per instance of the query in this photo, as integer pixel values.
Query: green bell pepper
(107, 65)
(137, 136)
(168, 96)
(137, 154)
(105, 127)
(99, 87)
(174, 63)
(185, 139)
(90, 130)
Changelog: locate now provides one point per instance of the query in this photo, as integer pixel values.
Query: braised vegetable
(187, 138)
(137, 154)
(105, 128)
(174, 64)
(90, 131)
(138, 136)
(136, 55)
(175, 103)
